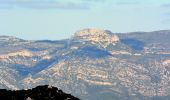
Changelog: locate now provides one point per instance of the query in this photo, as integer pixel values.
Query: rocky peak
(104, 37)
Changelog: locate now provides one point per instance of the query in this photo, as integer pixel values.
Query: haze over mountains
(94, 64)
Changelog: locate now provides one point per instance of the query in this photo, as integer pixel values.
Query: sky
(60, 19)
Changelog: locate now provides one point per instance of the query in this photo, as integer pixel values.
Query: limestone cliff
(102, 37)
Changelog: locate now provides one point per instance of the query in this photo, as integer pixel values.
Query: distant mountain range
(94, 64)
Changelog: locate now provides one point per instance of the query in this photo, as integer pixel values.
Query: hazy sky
(58, 19)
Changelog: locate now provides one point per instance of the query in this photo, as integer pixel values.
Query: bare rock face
(99, 36)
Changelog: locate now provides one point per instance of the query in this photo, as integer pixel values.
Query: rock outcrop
(102, 37)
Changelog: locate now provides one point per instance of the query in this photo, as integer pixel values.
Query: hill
(39, 93)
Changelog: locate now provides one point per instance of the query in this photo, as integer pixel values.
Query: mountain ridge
(116, 33)
(136, 66)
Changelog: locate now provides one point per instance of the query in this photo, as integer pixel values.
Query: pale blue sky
(59, 19)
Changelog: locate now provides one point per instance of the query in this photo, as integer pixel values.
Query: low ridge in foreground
(39, 93)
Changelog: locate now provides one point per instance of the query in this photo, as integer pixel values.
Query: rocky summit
(102, 37)
(94, 64)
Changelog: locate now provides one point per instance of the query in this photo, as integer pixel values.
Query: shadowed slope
(39, 93)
